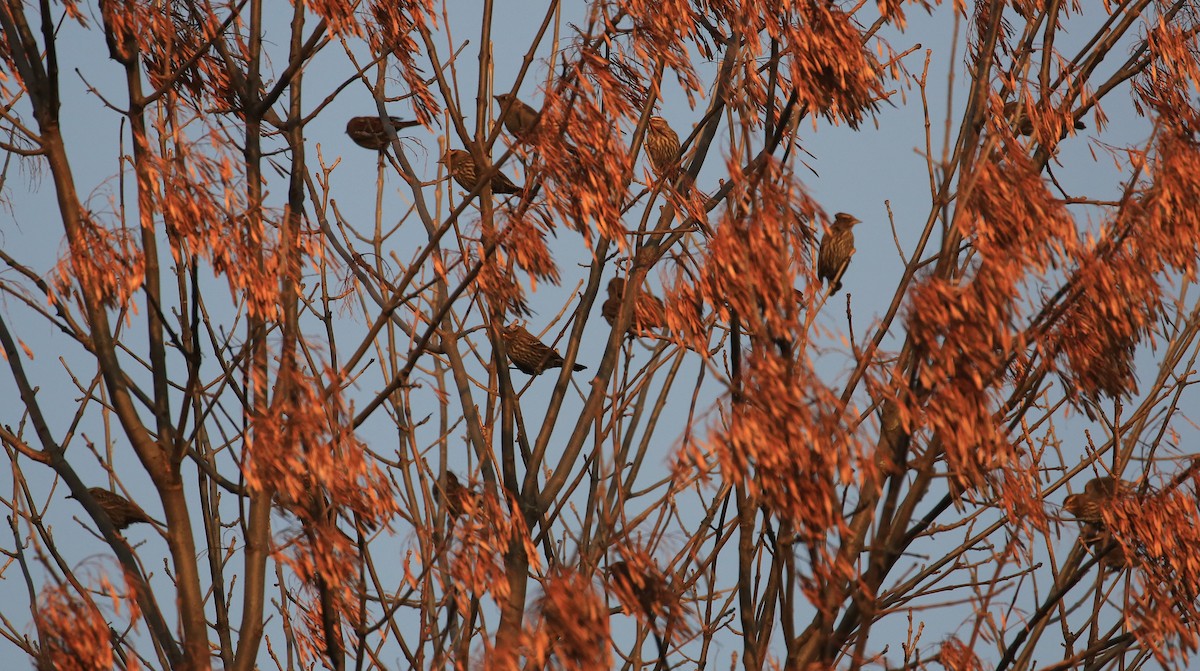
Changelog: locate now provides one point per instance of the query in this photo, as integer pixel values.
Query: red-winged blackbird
(662, 145)
(836, 249)
(648, 311)
(121, 511)
(369, 131)
(521, 119)
(461, 167)
(1014, 111)
(528, 353)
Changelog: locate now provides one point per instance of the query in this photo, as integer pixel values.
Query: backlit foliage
(285, 346)
(104, 264)
(584, 160)
(73, 633)
(573, 626)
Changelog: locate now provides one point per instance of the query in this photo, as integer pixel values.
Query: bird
(461, 167)
(1097, 493)
(369, 131)
(529, 354)
(521, 119)
(662, 145)
(1087, 507)
(1014, 111)
(837, 246)
(647, 588)
(121, 511)
(648, 312)
(459, 499)
(1084, 507)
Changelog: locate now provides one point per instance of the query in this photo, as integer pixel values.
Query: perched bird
(836, 249)
(1086, 507)
(648, 312)
(459, 499)
(461, 167)
(1097, 493)
(521, 119)
(647, 589)
(1014, 111)
(369, 131)
(121, 511)
(529, 354)
(662, 146)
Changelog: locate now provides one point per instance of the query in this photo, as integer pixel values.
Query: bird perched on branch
(459, 499)
(121, 511)
(662, 146)
(530, 355)
(1086, 507)
(1014, 111)
(837, 246)
(1097, 493)
(370, 132)
(647, 589)
(648, 312)
(462, 168)
(521, 119)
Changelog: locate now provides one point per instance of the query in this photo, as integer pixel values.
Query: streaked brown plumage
(521, 119)
(1087, 507)
(529, 354)
(461, 167)
(648, 589)
(837, 246)
(121, 511)
(1014, 111)
(458, 499)
(662, 145)
(1097, 493)
(369, 131)
(1108, 486)
(648, 312)
(1083, 507)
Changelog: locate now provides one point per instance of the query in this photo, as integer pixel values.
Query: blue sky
(864, 171)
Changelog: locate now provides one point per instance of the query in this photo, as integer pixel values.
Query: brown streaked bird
(837, 246)
(1084, 507)
(1097, 493)
(1014, 111)
(648, 589)
(121, 511)
(521, 119)
(370, 132)
(662, 145)
(530, 355)
(1087, 507)
(648, 312)
(459, 499)
(461, 167)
